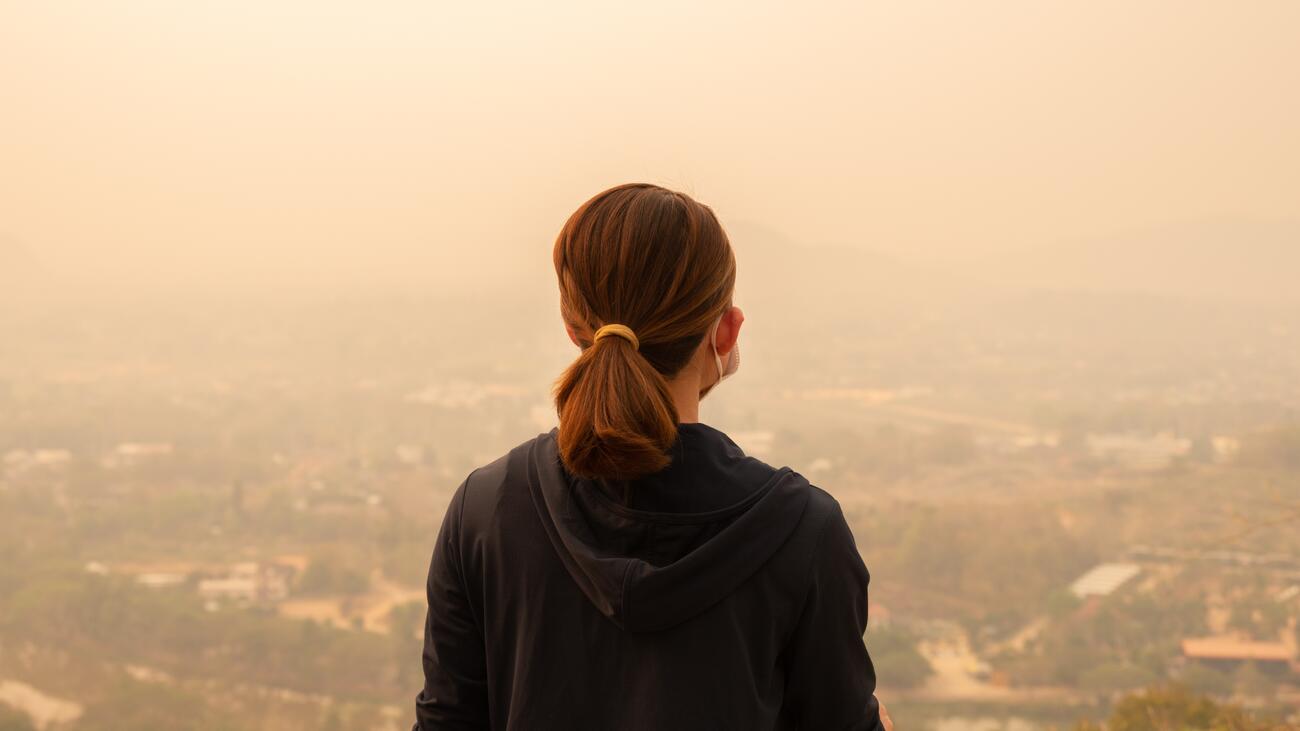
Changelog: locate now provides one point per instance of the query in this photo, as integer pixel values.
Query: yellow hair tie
(622, 331)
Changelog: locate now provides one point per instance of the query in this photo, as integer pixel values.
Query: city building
(1104, 579)
(1229, 653)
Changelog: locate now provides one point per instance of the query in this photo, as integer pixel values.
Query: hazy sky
(266, 140)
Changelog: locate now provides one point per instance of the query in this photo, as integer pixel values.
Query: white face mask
(733, 358)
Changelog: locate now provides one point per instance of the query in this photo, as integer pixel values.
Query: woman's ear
(729, 330)
(572, 335)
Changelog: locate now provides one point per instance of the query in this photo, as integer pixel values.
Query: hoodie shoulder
(823, 529)
(503, 479)
(828, 514)
(823, 503)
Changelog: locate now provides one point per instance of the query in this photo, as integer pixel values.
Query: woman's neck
(685, 390)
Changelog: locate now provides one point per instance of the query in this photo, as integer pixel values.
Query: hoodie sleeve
(455, 682)
(830, 680)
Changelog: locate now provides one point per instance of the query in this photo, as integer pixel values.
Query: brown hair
(658, 262)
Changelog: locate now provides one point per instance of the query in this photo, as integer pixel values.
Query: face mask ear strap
(713, 337)
(713, 342)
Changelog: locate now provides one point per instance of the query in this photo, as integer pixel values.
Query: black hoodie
(718, 593)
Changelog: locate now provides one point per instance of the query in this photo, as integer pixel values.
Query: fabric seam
(460, 560)
(807, 589)
(623, 594)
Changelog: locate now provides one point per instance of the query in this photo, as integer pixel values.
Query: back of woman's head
(659, 263)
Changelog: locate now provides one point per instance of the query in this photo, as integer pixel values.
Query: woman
(632, 569)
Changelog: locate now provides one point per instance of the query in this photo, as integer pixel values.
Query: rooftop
(1104, 579)
(1231, 648)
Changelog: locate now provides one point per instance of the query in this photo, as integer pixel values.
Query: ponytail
(617, 417)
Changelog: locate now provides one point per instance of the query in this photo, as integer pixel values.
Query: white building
(230, 588)
(1139, 452)
(160, 580)
(1104, 579)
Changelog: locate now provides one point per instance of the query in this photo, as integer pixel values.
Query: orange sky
(319, 141)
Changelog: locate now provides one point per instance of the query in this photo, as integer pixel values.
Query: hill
(1220, 259)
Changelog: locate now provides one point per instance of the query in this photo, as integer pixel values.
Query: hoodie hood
(649, 570)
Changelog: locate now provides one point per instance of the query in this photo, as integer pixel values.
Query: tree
(1206, 680)
(333, 720)
(1174, 708)
(328, 575)
(133, 706)
(14, 720)
(1253, 683)
(894, 652)
(1163, 709)
(1276, 448)
(1061, 602)
(1112, 676)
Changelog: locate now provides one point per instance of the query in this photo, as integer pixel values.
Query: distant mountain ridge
(771, 262)
(1257, 261)
(1244, 261)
